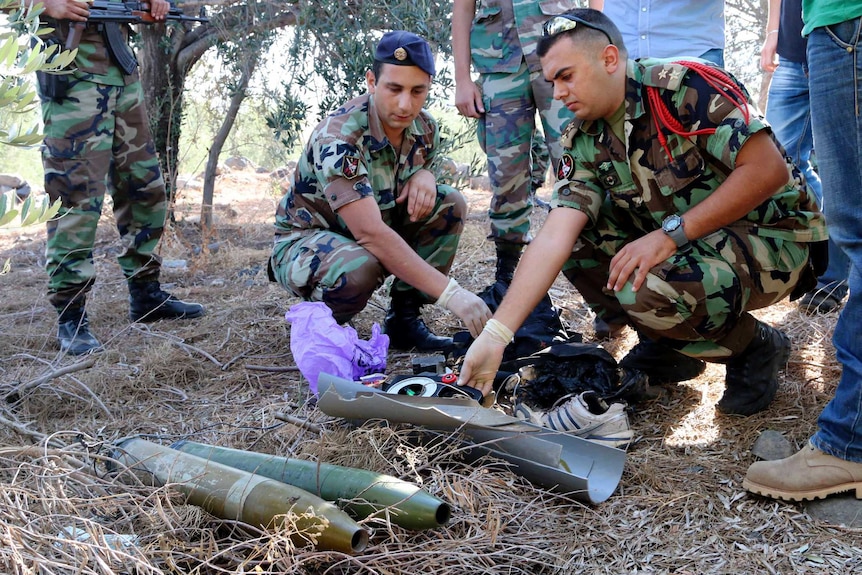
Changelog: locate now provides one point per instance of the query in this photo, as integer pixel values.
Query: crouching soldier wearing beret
(364, 204)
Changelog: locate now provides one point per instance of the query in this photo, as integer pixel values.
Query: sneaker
(809, 474)
(585, 415)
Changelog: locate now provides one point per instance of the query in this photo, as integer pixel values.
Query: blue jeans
(716, 56)
(788, 111)
(835, 68)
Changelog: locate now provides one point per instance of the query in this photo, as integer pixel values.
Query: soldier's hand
(635, 260)
(466, 305)
(468, 99)
(482, 363)
(159, 9)
(420, 193)
(67, 9)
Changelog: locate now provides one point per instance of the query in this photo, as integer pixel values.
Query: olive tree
(22, 52)
(337, 36)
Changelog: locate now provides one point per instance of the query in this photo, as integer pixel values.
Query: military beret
(404, 48)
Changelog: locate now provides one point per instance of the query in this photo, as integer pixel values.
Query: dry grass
(680, 507)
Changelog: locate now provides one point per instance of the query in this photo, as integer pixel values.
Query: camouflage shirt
(347, 158)
(644, 186)
(505, 32)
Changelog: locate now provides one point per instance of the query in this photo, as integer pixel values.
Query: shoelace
(717, 79)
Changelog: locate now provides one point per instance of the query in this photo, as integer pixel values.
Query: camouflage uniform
(503, 43)
(540, 159)
(97, 141)
(696, 302)
(348, 157)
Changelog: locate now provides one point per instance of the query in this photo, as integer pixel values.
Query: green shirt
(348, 157)
(819, 13)
(645, 186)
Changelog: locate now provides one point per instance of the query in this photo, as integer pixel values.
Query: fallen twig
(272, 368)
(298, 422)
(24, 387)
(22, 428)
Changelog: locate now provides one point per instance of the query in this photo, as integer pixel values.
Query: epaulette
(667, 76)
(568, 136)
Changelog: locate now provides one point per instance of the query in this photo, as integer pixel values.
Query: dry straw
(680, 507)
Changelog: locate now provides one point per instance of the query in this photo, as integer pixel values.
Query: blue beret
(405, 49)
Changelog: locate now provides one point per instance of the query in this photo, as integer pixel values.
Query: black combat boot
(147, 302)
(752, 376)
(405, 328)
(73, 332)
(605, 331)
(661, 363)
(508, 256)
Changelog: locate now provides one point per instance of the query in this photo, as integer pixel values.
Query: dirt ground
(222, 379)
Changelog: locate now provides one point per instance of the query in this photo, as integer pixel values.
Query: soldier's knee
(451, 196)
(365, 278)
(646, 299)
(350, 292)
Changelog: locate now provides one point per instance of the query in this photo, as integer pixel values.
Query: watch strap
(678, 237)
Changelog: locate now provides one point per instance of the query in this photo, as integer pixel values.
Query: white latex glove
(466, 305)
(484, 357)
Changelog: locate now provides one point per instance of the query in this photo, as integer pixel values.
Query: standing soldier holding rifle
(97, 141)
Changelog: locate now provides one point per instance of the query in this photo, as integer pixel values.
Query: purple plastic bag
(320, 345)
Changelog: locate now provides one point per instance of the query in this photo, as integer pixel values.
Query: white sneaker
(585, 415)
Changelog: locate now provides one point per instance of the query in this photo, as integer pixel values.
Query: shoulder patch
(350, 166)
(566, 167)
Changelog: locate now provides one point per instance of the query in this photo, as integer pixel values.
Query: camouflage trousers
(323, 265)
(540, 160)
(697, 302)
(97, 141)
(505, 133)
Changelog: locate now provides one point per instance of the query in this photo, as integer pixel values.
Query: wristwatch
(673, 227)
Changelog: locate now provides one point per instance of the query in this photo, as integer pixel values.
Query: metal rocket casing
(360, 492)
(231, 493)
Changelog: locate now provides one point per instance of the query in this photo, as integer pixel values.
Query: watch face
(671, 223)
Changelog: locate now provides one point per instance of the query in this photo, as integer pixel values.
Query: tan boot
(809, 474)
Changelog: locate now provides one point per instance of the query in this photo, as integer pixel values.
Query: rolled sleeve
(732, 133)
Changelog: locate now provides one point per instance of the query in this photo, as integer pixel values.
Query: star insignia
(663, 74)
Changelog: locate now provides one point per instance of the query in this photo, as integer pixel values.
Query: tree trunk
(169, 51)
(218, 143)
(164, 82)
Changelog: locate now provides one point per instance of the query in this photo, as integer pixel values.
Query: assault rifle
(125, 12)
(111, 15)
